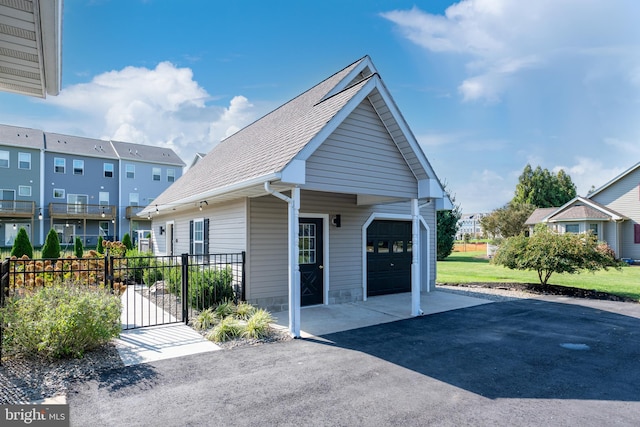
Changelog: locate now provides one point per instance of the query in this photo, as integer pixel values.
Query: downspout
(293, 261)
(415, 262)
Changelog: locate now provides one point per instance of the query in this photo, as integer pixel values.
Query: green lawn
(467, 267)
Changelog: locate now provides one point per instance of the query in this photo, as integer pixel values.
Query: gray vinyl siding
(623, 196)
(360, 157)
(227, 228)
(267, 267)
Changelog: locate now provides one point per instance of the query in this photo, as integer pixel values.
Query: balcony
(81, 211)
(132, 211)
(17, 209)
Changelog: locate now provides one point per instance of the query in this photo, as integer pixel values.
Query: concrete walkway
(152, 343)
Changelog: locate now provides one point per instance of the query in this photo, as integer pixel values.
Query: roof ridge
(347, 88)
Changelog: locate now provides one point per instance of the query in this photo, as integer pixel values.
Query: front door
(310, 255)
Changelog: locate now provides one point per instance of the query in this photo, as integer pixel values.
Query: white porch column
(415, 262)
(294, 264)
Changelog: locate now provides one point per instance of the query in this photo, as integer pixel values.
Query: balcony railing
(17, 208)
(133, 211)
(81, 211)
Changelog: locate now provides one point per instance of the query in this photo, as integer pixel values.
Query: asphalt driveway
(528, 362)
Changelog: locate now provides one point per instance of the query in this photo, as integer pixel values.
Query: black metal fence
(155, 290)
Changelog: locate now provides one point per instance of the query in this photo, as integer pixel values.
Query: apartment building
(81, 187)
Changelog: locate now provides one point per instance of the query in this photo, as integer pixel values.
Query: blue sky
(487, 86)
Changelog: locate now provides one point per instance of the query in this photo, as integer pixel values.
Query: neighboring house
(470, 224)
(75, 185)
(330, 195)
(144, 172)
(584, 214)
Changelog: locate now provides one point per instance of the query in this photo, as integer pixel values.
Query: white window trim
(64, 165)
(193, 249)
(22, 187)
(62, 190)
(154, 175)
(26, 154)
(8, 158)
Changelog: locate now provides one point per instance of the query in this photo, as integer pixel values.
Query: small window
(156, 174)
(24, 190)
(4, 159)
(198, 237)
(130, 171)
(103, 198)
(58, 193)
(134, 199)
(24, 160)
(59, 165)
(594, 229)
(108, 170)
(398, 246)
(78, 167)
(171, 175)
(383, 247)
(572, 228)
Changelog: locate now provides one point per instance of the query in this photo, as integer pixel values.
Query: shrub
(258, 325)
(224, 309)
(99, 246)
(51, 248)
(227, 329)
(78, 250)
(153, 272)
(137, 263)
(244, 310)
(126, 241)
(209, 287)
(22, 245)
(61, 320)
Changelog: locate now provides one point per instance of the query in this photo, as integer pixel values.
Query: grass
(468, 267)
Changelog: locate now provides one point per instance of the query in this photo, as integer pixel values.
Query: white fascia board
(444, 204)
(295, 172)
(614, 180)
(213, 193)
(588, 202)
(50, 17)
(430, 188)
(364, 63)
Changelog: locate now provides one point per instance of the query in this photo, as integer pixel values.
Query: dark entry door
(310, 251)
(388, 257)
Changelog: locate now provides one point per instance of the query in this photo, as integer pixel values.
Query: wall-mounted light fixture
(205, 202)
(40, 214)
(336, 221)
(157, 211)
(15, 226)
(103, 214)
(161, 230)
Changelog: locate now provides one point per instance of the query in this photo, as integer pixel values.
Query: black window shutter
(191, 237)
(206, 240)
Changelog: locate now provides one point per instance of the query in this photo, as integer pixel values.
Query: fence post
(4, 287)
(243, 282)
(185, 287)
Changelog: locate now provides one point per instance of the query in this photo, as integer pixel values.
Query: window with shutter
(636, 233)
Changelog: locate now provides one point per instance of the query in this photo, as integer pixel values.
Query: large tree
(507, 221)
(447, 227)
(547, 252)
(543, 189)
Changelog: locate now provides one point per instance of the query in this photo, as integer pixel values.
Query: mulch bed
(536, 288)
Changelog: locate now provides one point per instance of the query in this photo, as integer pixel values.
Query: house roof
(21, 137)
(616, 179)
(538, 215)
(68, 144)
(271, 148)
(31, 47)
(146, 153)
(577, 209)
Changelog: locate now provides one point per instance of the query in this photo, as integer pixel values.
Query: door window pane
(383, 247)
(307, 243)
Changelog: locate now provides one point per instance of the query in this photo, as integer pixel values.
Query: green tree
(99, 246)
(51, 248)
(548, 252)
(447, 227)
(126, 240)
(22, 245)
(507, 221)
(78, 249)
(543, 189)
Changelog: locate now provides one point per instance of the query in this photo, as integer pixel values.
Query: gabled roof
(274, 147)
(616, 179)
(146, 153)
(68, 144)
(21, 137)
(31, 47)
(577, 209)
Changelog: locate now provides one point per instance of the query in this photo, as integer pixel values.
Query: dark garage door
(388, 257)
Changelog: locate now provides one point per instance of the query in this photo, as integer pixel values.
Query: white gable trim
(365, 63)
(614, 216)
(616, 179)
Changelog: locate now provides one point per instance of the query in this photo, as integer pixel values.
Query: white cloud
(587, 172)
(488, 182)
(162, 106)
(503, 38)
